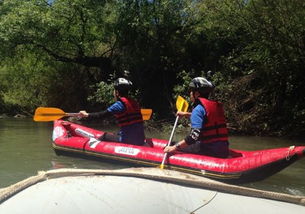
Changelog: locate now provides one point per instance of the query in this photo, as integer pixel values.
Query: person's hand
(182, 114)
(83, 114)
(169, 149)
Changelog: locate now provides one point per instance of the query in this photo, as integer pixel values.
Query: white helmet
(202, 85)
(122, 84)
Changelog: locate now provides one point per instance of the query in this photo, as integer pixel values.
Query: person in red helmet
(128, 114)
(209, 134)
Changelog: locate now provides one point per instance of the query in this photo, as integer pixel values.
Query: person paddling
(127, 112)
(209, 134)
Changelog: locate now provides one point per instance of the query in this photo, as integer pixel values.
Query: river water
(25, 149)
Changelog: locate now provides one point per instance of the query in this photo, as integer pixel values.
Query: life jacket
(215, 128)
(131, 115)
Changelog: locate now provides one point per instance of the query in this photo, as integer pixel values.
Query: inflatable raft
(240, 167)
(138, 190)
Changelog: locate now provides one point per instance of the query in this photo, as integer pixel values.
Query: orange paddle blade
(48, 114)
(146, 113)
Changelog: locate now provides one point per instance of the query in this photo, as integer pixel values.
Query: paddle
(146, 113)
(50, 114)
(181, 105)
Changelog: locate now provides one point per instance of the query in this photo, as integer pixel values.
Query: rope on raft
(153, 174)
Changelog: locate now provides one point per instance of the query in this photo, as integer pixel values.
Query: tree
(73, 31)
(268, 49)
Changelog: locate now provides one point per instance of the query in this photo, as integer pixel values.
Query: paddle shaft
(170, 140)
(61, 114)
(72, 114)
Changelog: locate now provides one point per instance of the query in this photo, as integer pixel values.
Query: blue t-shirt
(198, 117)
(131, 134)
(117, 107)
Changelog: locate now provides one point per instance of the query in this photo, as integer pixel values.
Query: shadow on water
(25, 148)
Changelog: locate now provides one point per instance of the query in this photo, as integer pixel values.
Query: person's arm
(175, 147)
(100, 115)
(188, 140)
(182, 143)
(117, 107)
(197, 116)
(183, 114)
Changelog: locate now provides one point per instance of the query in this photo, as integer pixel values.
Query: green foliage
(22, 82)
(103, 94)
(268, 47)
(29, 81)
(68, 30)
(182, 88)
(157, 42)
(59, 53)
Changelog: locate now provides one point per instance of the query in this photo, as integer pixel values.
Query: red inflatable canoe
(240, 167)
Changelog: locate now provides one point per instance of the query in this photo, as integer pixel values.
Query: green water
(25, 148)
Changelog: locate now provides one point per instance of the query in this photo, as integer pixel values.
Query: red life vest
(131, 115)
(215, 128)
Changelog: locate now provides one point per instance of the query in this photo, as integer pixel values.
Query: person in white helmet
(209, 134)
(128, 114)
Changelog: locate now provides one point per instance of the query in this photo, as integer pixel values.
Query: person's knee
(109, 137)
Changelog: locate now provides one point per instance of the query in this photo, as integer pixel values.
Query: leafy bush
(103, 94)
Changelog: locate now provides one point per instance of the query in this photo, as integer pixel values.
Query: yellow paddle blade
(146, 113)
(181, 104)
(48, 114)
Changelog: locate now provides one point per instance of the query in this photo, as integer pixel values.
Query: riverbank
(5, 116)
